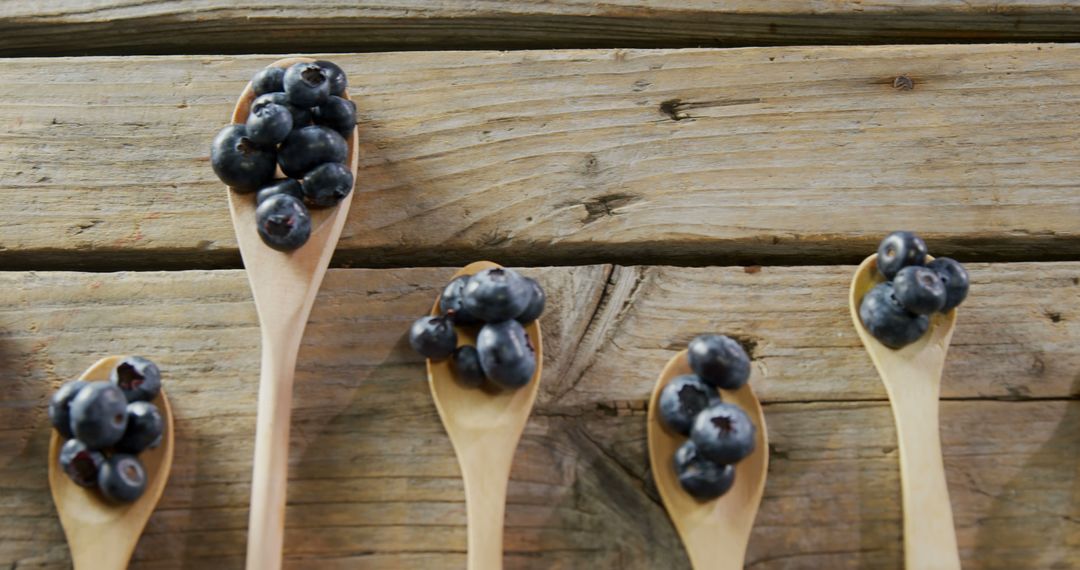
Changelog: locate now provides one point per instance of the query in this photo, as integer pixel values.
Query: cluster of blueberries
(106, 425)
(897, 311)
(299, 121)
(500, 301)
(720, 434)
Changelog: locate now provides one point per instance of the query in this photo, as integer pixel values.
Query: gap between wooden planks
(374, 483)
(699, 157)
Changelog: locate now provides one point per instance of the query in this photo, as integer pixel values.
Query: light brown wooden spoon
(912, 377)
(715, 533)
(284, 285)
(100, 534)
(484, 427)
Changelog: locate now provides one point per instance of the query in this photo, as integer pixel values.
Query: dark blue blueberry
(269, 124)
(301, 116)
(309, 147)
(719, 361)
(467, 367)
(955, 278)
(99, 415)
(239, 162)
(537, 300)
(80, 462)
(60, 407)
(701, 478)
(326, 184)
(137, 378)
(683, 399)
(335, 75)
(433, 337)
(899, 250)
(723, 433)
(497, 294)
(287, 186)
(144, 428)
(919, 290)
(306, 85)
(268, 80)
(506, 354)
(283, 222)
(122, 479)
(338, 114)
(451, 302)
(887, 320)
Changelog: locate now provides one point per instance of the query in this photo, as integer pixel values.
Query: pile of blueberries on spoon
(897, 311)
(499, 302)
(720, 434)
(106, 425)
(301, 122)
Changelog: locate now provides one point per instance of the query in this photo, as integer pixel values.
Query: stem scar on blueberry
(723, 424)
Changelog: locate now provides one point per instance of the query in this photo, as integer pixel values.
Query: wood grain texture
(74, 27)
(778, 155)
(373, 479)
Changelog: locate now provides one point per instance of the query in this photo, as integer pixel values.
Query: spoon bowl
(484, 426)
(102, 535)
(715, 532)
(284, 285)
(912, 378)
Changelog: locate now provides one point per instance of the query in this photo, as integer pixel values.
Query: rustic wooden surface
(787, 155)
(75, 27)
(374, 483)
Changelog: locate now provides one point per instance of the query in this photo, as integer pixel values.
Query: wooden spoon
(912, 377)
(715, 533)
(484, 426)
(102, 535)
(284, 285)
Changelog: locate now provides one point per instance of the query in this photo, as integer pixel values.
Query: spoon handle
(266, 523)
(486, 473)
(929, 536)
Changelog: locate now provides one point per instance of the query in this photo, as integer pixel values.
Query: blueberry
(268, 80)
(919, 290)
(451, 302)
(301, 116)
(956, 281)
(239, 162)
(433, 337)
(719, 361)
(335, 75)
(137, 378)
(60, 407)
(338, 114)
(283, 222)
(122, 478)
(702, 478)
(287, 186)
(99, 415)
(506, 354)
(467, 367)
(887, 320)
(537, 300)
(306, 85)
(144, 428)
(723, 433)
(269, 124)
(683, 399)
(497, 294)
(899, 250)
(309, 147)
(80, 462)
(326, 184)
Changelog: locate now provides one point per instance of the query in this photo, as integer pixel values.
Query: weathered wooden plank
(780, 155)
(71, 27)
(373, 480)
